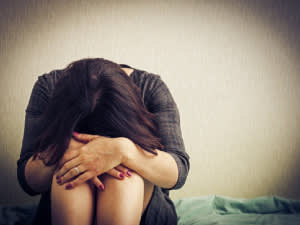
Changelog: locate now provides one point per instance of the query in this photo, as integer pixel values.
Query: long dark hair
(95, 96)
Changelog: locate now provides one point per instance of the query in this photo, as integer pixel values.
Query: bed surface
(220, 210)
(206, 210)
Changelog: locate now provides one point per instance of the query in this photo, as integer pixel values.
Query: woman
(102, 144)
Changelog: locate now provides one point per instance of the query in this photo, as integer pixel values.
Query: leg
(148, 190)
(122, 201)
(74, 206)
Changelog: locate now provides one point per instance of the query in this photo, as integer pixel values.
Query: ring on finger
(77, 170)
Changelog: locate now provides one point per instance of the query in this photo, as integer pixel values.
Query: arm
(170, 167)
(33, 176)
(41, 180)
(38, 176)
(160, 169)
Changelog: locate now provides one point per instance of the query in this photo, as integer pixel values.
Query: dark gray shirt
(157, 99)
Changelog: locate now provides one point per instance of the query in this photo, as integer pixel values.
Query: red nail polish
(121, 175)
(68, 186)
(75, 133)
(101, 186)
(129, 173)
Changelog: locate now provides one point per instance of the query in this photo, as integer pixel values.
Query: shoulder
(48, 80)
(148, 82)
(144, 78)
(154, 89)
(42, 91)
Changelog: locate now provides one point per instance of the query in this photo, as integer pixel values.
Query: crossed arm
(166, 169)
(100, 155)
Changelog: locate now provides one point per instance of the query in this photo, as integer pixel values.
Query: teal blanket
(219, 210)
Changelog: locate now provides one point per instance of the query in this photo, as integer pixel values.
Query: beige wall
(232, 66)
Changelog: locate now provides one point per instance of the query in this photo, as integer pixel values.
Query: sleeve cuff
(183, 169)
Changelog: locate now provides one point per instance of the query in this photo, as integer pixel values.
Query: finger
(67, 166)
(96, 181)
(124, 170)
(84, 137)
(79, 180)
(72, 174)
(116, 173)
(67, 157)
(75, 143)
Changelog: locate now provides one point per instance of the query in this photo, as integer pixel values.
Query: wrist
(125, 149)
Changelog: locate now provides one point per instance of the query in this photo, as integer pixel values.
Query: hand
(120, 172)
(101, 154)
(71, 151)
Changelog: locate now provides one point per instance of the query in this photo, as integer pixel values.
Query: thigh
(148, 191)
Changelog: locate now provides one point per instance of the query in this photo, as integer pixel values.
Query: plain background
(232, 67)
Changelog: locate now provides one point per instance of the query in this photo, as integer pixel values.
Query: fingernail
(101, 186)
(68, 186)
(59, 181)
(121, 175)
(129, 173)
(57, 177)
(75, 133)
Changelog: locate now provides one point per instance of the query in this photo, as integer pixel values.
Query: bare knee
(134, 179)
(136, 184)
(85, 187)
(121, 202)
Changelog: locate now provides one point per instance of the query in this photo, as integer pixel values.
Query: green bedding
(211, 210)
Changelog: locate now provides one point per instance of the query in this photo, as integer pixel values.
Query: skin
(39, 176)
(128, 71)
(76, 205)
(100, 155)
(118, 199)
(122, 202)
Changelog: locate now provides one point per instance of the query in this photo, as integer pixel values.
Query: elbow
(183, 165)
(182, 177)
(22, 179)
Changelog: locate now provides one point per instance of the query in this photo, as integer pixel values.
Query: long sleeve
(37, 104)
(159, 101)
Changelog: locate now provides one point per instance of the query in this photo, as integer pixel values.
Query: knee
(84, 187)
(134, 180)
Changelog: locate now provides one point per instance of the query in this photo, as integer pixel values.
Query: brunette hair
(95, 96)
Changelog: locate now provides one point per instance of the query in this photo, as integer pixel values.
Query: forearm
(160, 169)
(39, 176)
